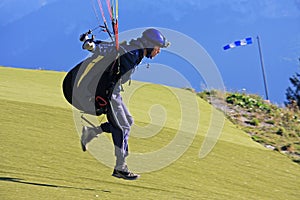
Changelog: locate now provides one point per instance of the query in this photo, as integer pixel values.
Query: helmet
(155, 38)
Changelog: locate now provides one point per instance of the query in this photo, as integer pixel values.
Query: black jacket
(131, 55)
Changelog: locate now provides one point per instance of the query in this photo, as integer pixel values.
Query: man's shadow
(17, 180)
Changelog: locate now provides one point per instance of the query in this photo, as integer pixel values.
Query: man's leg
(120, 135)
(88, 134)
(120, 129)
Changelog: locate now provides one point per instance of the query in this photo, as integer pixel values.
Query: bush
(248, 101)
(203, 95)
(190, 89)
(293, 93)
(257, 139)
(254, 122)
(271, 121)
(280, 131)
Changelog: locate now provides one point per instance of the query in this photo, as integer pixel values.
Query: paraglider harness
(90, 84)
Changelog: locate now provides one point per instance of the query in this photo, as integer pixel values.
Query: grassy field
(41, 156)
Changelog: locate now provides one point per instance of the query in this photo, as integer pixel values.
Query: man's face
(155, 51)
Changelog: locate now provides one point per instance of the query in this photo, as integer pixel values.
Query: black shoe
(125, 174)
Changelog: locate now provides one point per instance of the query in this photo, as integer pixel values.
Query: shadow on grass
(17, 180)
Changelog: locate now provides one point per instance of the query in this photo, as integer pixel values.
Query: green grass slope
(41, 156)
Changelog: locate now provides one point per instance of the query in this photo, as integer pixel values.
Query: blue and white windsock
(237, 43)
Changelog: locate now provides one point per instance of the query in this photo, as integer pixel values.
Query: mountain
(43, 34)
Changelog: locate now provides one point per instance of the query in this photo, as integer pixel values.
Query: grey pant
(119, 124)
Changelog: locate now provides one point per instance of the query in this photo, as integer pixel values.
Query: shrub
(280, 131)
(257, 139)
(248, 101)
(190, 89)
(254, 122)
(271, 121)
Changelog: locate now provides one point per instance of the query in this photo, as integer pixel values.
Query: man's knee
(130, 120)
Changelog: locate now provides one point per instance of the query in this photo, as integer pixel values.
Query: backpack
(89, 85)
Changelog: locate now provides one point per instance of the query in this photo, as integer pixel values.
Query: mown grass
(41, 156)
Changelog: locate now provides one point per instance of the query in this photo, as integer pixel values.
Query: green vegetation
(293, 92)
(41, 156)
(274, 127)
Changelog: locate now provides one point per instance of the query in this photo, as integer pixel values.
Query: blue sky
(44, 34)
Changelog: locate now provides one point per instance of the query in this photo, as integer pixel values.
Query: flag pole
(262, 68)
